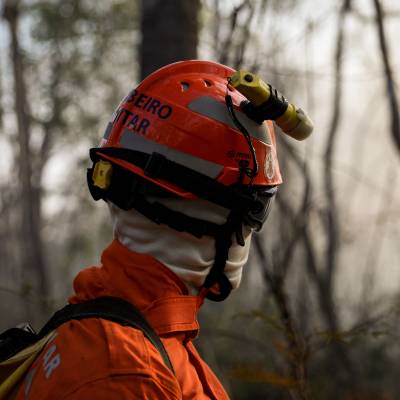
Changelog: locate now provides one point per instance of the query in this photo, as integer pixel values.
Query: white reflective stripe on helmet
(133, 141)
(212, 108)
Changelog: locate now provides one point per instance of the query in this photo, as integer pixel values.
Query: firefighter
(188, 177)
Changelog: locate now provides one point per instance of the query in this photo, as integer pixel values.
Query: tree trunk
(169, 33)
(31, 247)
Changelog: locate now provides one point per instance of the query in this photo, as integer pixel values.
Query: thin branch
(297, 351)
(216, 30)
(331, 222)
(297, 219)
(244, 38)
(376, 241)
(390, 83)
(241, 338)
(227, 45)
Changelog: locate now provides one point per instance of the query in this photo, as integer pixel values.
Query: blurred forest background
(318, 312)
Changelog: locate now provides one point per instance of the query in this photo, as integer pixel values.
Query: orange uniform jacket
(99, 359)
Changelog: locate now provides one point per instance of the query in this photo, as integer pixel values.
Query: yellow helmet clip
(102, 174)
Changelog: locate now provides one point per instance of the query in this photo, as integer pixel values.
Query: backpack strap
(112, 309)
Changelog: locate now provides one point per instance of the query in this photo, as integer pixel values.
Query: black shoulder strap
(112, 309)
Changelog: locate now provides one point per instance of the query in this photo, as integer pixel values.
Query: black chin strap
(223, 242)
(180, 222)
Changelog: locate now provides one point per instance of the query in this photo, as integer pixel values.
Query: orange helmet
(181, 132)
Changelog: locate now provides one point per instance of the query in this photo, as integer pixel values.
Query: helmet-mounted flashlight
(266, 103)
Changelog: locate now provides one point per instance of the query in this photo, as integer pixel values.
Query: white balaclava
(188, 257)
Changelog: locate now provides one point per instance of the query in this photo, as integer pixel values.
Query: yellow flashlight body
(293, 121)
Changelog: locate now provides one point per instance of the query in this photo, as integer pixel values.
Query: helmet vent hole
(185, 86)
(207, 82)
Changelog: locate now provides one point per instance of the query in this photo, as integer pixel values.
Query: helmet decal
(135, 112)
(148, 104)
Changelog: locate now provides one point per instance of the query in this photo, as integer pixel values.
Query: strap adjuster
(154, 165)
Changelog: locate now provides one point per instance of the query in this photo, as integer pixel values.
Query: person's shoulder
(112, 345)
(95, 350)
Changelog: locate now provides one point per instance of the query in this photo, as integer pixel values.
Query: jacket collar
(143, 281)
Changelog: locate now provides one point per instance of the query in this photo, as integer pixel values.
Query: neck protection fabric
(190, 258)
